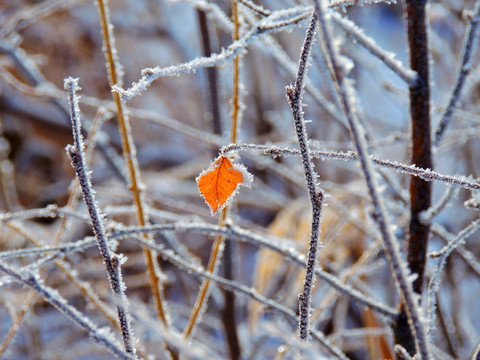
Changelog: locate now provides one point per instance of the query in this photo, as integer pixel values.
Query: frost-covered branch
(464, 69)
(50, 211)
(278, 245)
(443, 254)
(67, 248)
(425, 174)
(274, 22)
(111, 260)
(28, 16)
(433, 211)
(196, 270)
(256, 8)
(101, 336)
(316, 194)
(388, 58)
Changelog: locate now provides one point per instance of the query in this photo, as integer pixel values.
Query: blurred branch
(101, 336)
(464, 69)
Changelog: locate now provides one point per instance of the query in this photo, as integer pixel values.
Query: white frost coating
(110, 259)
(285, 247)
(429, 214)
(176, 260)
(52, 296)
(436, 278)
(398, 267)
(468, 48)
(64, 248)
(425, 174)
(274, 22)
(387, 57)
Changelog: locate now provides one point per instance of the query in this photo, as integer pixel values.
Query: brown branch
(420, 190)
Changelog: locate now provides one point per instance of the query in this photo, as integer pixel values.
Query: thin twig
(234, 232)
(242, 289)
(463, 70)
(111, 260)
(229, 313)
(443, 254)
(30, 15)
(256, 8)
(68, 209)
(388, 58)
(425, 174)
(218, 246)
(101, 336)
(294, 96)
(270, 24)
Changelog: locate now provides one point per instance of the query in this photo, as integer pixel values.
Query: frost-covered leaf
(219, 182)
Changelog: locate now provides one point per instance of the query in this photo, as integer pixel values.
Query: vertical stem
(420, 190)
(111, 260)
(31, 296)
(236, 99)
(218, 246)
(202, 296)
(130, 158)
(228, 313)
(294, 96)
(212, 76)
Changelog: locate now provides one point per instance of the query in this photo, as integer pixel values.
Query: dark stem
(420, 190)
(229, 319)
(211, 72)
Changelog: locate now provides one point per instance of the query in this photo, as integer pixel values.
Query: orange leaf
(218, 183)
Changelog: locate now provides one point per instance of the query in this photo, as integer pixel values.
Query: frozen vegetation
(128, 127)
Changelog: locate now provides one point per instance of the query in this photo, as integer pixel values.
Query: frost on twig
(176, 260)
(274, 22)
(425, 174)
(102, 336)
(294, 96)
(443, 254)
(464, 69)
(398, 267)
(111, 260)
(234, 232)
(388, 58)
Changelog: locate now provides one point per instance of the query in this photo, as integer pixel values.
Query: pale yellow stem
(129, 155)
